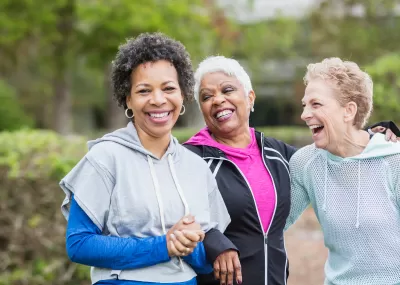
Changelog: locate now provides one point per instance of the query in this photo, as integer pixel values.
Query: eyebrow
(148, 85)
(204, 89)
(311, 101)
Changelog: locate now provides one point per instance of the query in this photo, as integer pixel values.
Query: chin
(320, 144)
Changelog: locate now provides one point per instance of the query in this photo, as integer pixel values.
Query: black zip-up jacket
(262, 255)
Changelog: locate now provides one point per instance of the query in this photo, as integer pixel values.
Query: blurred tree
(357, 30)
(47, 43)
(385, 74)
(11, 115)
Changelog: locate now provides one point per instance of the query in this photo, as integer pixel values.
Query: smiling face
(322, 112)
(155, 98)
(224, 104)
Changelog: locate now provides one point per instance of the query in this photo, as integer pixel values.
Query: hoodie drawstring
(325, 186)
(158, 194)
(177, 185)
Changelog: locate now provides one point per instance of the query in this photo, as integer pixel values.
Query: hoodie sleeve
(198, 261)
(86, 245)
(215, 242)
(299, 199)
(91, 184)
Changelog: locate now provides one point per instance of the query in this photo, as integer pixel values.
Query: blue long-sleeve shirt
(86, 245)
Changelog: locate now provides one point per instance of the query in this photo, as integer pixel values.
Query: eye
(143, 91)
(228, 89)
(169, 88)
(205, 98)
(316, 104)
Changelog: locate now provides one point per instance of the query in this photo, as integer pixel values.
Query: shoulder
(303, 156)
(192, 155)
(277, 146)
(105, 154)
(196, 149)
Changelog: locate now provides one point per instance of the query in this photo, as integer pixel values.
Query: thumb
(188, 219)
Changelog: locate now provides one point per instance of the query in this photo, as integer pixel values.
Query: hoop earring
(183, 110)
(126, 114)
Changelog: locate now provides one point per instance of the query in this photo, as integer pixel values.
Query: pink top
(249, 161)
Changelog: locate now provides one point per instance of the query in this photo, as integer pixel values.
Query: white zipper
(272, 219)
(258, 214)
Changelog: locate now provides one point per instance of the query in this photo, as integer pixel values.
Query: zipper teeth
(273, 183)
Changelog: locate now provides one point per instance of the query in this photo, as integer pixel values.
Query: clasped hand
(184, 236)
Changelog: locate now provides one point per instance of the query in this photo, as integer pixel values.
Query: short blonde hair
(353, 84)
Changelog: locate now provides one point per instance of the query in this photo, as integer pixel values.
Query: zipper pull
(265, 239)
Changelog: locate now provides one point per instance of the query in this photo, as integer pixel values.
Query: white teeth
(315, 126)
(223, 113)
(158, 115)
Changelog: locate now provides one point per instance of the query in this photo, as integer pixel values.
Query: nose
(158, 98)
(219, 99)
(306, 114)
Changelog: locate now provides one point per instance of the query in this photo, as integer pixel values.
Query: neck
(156, 145)
(352, 143)
(241, 140)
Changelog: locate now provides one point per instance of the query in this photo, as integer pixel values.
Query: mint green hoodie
(357, 203)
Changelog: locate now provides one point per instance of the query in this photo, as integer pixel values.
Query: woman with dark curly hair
(138, 204)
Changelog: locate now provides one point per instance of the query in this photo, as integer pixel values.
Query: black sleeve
(388, 125)
(215, 243)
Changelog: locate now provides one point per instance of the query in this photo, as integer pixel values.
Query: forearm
(198, 260)
(86, 245)
(216, 243)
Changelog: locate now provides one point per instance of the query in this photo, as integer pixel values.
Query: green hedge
(32, 236)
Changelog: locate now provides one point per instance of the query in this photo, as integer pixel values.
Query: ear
(350, 111)
(252, 98)
(128, 101)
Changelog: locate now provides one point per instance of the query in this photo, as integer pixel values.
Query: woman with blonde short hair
(351, 180)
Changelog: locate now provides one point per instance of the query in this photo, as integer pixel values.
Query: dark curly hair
(150, 47)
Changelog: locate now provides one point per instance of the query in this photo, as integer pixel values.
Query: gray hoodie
(128, 192)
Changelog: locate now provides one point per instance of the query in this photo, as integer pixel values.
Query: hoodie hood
(378, 146)
(129, 138)
(204, 138)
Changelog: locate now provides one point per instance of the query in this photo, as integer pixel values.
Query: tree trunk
(115, 117)
(62, 108)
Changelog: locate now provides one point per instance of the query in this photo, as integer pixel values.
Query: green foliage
(385, 74)
(11, 114)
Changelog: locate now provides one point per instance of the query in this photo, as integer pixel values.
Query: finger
(238, 269)
(184, 240)
(388, 135)
(217, 269)
(378, 129)
(173, 251)
(393, 138)
(223, 272)
(178, 245)
(201, 234)
(188, 219)
(193, 236)
(230, 271)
